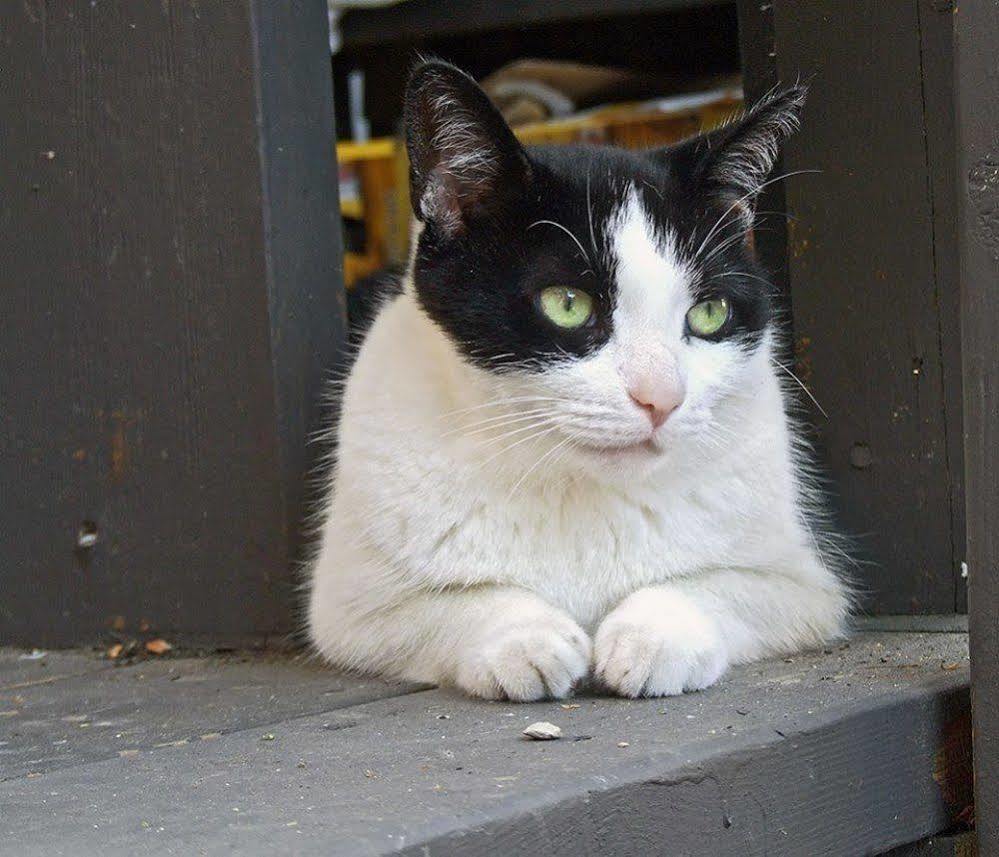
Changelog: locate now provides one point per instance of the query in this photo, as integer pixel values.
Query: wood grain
(159, 260)
(976, 33)
(871, 271)
(852, 751)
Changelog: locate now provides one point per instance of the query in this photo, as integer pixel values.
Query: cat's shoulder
(367, 297)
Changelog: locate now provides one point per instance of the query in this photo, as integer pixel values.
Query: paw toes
(529, 664)
(522, 684)
(637, 662)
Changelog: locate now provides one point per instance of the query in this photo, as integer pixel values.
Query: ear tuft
(464, 159)
(743, 152)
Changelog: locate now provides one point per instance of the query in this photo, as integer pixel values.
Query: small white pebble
(542, 731)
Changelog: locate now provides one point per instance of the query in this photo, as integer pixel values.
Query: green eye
(566, 307)
(708, 317)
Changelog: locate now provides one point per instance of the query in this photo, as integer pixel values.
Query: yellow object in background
(374, 176)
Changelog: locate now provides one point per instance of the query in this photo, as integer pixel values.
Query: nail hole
(861, 456)
(86, 536)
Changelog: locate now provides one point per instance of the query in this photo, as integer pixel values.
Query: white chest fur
(436, 501)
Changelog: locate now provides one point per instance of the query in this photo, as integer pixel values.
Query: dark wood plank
(846, 753)
(758, 51)
(937, 60)
(169, 302)
(422, 19)
(27, 668)
(957, 845)
(303, 236)
(868, 266)
(976, 35)
(69, 710)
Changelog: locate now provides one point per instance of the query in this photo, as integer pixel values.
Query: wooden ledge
(854, 750)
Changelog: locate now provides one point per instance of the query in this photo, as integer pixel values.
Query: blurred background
(630, 74)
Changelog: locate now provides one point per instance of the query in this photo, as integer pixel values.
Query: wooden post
(976, 31)
(171, 301)
(759, 76)
(871, 258)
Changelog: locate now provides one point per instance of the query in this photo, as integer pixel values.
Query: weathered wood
(26, 668)
(957, 845)
(937, 60)
(925, 623)
(422, 19)
(66, 710)
(760, 76)
(170, 300)
(977, 85)
(872, 290)
(303, 236)
(848, 752)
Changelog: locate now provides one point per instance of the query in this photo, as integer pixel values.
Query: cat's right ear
(464, 161)
(736, 159)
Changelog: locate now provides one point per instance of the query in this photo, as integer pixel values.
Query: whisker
(743, 198)
(724, 245)
(567, 232)
(534, 466)
(763, 280)
(799, 382)
(537, 418)
(589, 217)
(500, 418)
(519, 430)
(653, 188)
(506, 449)
(495, 403)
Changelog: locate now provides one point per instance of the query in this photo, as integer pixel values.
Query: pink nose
(658, 404)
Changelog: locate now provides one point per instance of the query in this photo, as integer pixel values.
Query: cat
(564, 446)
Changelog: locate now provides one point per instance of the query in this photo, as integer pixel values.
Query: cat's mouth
(642, 447)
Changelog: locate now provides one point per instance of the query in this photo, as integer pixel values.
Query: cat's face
(614, 295)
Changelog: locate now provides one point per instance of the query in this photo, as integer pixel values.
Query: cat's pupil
(570, 300)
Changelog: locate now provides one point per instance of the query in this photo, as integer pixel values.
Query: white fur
(474, 537)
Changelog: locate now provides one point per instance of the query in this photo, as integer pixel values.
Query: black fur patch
(366, 298)
(497, 221)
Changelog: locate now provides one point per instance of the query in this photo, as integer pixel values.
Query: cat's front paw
(524, 662)
(658, 643)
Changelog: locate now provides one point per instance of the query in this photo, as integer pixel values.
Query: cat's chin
(619, 464)
(644, 449)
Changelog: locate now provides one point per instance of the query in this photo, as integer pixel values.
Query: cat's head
(615, 294)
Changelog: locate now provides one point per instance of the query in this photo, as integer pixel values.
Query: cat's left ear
(465, 164)
(736, 159)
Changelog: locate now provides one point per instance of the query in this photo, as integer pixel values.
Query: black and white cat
(564, 445)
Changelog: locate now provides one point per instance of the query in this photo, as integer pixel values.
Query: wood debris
(158, 646)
